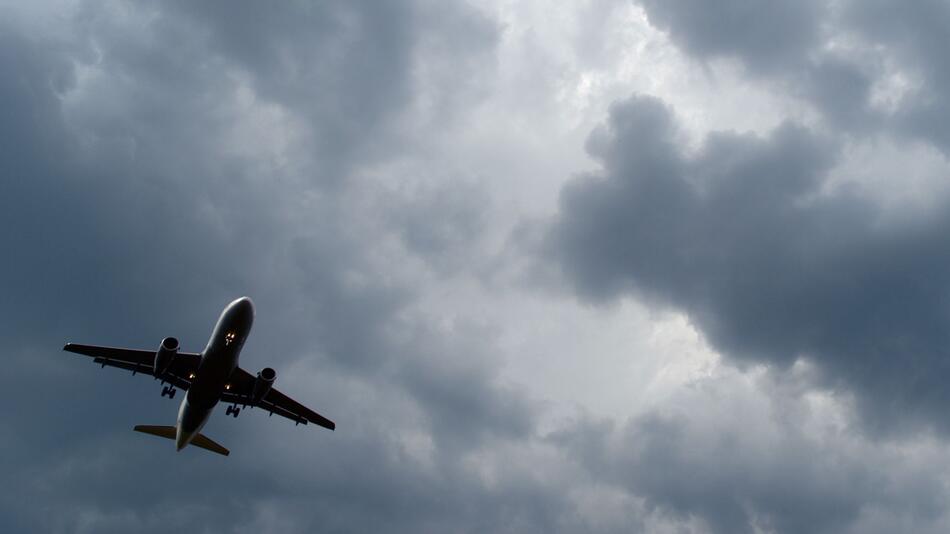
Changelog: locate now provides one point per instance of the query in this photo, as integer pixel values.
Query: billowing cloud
(723, 457)
(373, 176)
(767, 37)
(160, 163)
(741, 236)
(865, 66)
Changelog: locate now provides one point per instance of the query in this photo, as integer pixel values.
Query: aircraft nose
(246, 303)
(244, 306)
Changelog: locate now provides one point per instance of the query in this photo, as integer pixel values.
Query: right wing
(179, 374)
(241, 392)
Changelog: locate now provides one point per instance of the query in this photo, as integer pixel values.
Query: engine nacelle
(263, 382)
(165, 356)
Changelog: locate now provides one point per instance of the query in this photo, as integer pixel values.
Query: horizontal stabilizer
(208, 444)
(169, 432)
(157, 430)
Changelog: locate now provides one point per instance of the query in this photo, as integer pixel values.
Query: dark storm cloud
(833, 55)
(442, 223)
(740, 236)
(128, 218)
(914, 35)
(441, 378)
(841, 90)
(346, 66)
(142, 190)
(765, 35)
(785, 42)
(745, 235)
(737, 467)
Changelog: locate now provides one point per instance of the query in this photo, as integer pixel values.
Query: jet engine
(165, 355)
(263, 382)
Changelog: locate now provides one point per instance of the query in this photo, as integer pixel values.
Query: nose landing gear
(169, 391)
(233, 410)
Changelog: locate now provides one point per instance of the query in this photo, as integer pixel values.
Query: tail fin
(169, 432)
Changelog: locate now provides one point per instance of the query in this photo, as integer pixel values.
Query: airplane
(208, 377)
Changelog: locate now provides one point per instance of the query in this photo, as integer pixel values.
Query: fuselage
(218, 361)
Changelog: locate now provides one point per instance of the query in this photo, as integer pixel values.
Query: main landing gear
(169, 391)
(233, 410)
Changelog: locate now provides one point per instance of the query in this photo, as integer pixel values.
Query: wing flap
(112, 353)
(274, 402)
(304, 415)
(140, 361)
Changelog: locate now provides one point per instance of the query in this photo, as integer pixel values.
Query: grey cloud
(347, 66)
(841, 90)
(914, 35)
(766, 36)
(770, 268)
(722, 453)
(442, 379)
(351, 67)
(131, 220)
(783, 42)
(833, 55)
(441, 223)
(131, 217)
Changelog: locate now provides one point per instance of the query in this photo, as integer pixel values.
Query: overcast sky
(661, 266)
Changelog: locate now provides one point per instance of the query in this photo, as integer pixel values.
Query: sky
(660, 266)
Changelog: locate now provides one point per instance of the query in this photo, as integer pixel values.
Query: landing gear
(233, 410)
(169, 391)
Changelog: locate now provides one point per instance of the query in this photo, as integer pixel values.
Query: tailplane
(157, 430)
(169, 432)
(208, 444)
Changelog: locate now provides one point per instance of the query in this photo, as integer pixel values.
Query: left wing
(183, 366)
(241, 392)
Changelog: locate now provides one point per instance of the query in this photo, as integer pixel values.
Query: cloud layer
(679, 326)
(741, 237)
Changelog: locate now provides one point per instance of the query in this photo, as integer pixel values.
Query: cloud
(865, 67)
(742, 237)
(166, 161)
(357, 168)
(907, 33)
(767, 37)
(743, 453)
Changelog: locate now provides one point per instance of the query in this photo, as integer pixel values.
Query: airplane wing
(183, 366)
(241, 392)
